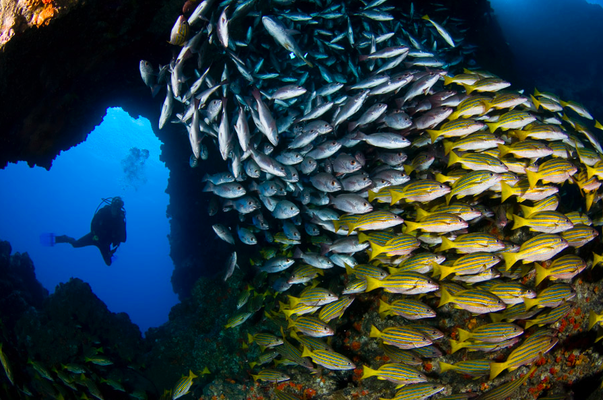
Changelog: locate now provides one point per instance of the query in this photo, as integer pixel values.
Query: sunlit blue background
(63, 200)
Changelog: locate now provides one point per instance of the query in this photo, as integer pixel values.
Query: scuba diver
(107, 229)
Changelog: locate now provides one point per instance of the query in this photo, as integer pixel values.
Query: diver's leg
(64, 239)
(86, 240)
(105, 250)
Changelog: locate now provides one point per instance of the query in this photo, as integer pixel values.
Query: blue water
(63, 200)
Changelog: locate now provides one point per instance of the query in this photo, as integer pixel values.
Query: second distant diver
(107, 230)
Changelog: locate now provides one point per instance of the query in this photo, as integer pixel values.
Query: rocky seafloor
(61, 329)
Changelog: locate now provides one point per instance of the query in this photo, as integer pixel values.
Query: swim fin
(47, 239)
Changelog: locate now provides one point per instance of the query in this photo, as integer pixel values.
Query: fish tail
(249, 338)
(492, 126)
(590, 198)
(362, 237)
(447, 147)
(371, 196)
(453, 158)
(425, 17)
(383, 307)
(209, 187)
(496, 369)
(541, 273)
(521, 135)
(495, 317)
(530, 323)
(448, 197)
(533, 178)
(597, 259)
(441, 178)
(293, 301)
(408, 169)
(537, 104)
(421, 213)
(374, 332)
(444, 270)
(448, 80)
(598, 125)
(592, 319)
(362, 57)
(445, 297)
(529, 303)
(446, 244)
(506, 191)
(590, 171)
(455, 346)
(445, 366)
(463, 334)
(372, 283)
(503, 150)
(526, 211)
(510, 259)
(433, 134)
(306, 352)
(518, 222)
(367, 372)
(469, 88)
(376, 250)
(411, 226)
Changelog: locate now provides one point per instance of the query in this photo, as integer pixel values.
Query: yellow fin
(533, 178)
(433, 134)
(306, 352)
(444, 270)
(421, 213)
(597, 259)
(598, 125)
(492, 126)
(541, 273)
(496, 369)
(445, 297)
(503, 150)
(453, 158)
(463, 334)
(510, 259)
(593, 318)
(448, 146)
(408, 169)
(448, 80)
(506, 191)
(367, 372)
(518, 222)
(374, 332)
(446, 244)
(372, 283)
(530, 303)
(456, 346)
(411, 226)
(445, 366)
(537, 104)
(527, 211)
(383, 307)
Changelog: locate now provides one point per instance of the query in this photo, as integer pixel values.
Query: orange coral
(43, 17)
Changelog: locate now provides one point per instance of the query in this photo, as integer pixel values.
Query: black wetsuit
(106, 229)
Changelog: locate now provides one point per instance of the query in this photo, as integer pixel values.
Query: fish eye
(250, 202)
(353, 162)
(239, 187)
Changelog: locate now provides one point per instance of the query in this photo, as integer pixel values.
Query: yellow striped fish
(407, 308)
(438, 223)
(513, 119)
(398, 245)
(565, 267)
(336, 309)
(473, 300)
(465, 211)
(544, 221)
(506, 389)
(473, 105)
(183, 385)
(404, 283)
(456, 128)
(469, 367)
(472, 243)
(548, 204)
(579, 235)
(474, 182)
(551, 316)
(468, 264)
(477, 162)
(329, 359)
(475, 141)
(270, 375)
(491, 333)
(402, 337)
(530, 350)
(551, 296)
(418, 391)
(526, 149)
(399, 374)
(539, 248)
(556, 170)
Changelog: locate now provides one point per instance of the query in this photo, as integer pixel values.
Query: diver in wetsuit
(108, 228)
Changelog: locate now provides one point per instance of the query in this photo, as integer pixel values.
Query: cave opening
(120, 157)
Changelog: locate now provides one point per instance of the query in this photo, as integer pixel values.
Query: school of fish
(362, 156)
